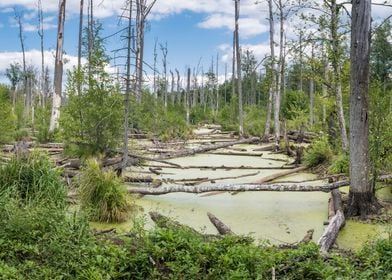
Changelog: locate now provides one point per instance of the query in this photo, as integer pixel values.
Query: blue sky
(193, 29)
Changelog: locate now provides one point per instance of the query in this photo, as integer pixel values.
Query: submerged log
(236, 188)
(280, 174)
(166, 222)
(208, 148)
(219, 225)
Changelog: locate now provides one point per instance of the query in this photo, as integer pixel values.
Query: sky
(194, 30)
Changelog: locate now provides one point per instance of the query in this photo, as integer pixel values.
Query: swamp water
(280, 217)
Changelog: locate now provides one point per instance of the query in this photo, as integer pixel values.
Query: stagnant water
(280, 217)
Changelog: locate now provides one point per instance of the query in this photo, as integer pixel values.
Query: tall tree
(14, 74)
(58, 70)
(272, 86)
(238, 59)
(41, 36)
(362, 200)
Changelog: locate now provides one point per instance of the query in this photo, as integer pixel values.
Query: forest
(126, 166)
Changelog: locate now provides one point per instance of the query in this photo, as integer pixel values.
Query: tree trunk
(239, 82)
(187, 97)
(58, 71)
(362, 200)
(272, 86)
(219, 225)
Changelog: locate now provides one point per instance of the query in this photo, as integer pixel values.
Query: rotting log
(237, 188)
(219, 225)
(166, 222)
(208, 148)
(129, 179)
(336, 222)
(236, 154)
(194, 181)
(331, 232)
(280, 174)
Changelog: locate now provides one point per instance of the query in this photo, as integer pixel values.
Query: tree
(362, 199)
(58, 70)
(239, 78)
(100, 105)
(14, 74)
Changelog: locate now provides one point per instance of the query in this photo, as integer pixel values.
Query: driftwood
(208, 148)
(219, 225)
(229, 153)
(335, 223)
(237, 188)
(280, 174)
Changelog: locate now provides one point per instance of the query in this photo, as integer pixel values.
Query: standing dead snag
(58, 70)
(239, 68)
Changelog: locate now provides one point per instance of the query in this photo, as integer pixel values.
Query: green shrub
(7, 118)
(33, 180)
(102, 194)
(42, 120)
(340, 164)
(318, 153)
(254, 121)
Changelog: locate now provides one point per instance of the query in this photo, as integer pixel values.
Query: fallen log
(265, 148)
(192, 182)
(166, 222)
(129, 179)
(236, 188)
(337, 221)
(236, 154)
(280, 174)
(228, 167)
(208, 148)
(219, 225)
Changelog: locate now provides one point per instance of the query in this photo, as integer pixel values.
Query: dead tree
(27, 103)
(164, 64)
(58, 70)
(239, 74)
(272, 86)
(41, 36)
(142, 11)
(187, 97)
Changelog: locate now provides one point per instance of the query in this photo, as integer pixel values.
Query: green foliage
(294, 103)
(8, 120)
(254, 121)
(151, 116)
(340, 164)
(228, 115)
(102, 194)
(92, 120)
(42, 120)
(318, 153)
(33, 180)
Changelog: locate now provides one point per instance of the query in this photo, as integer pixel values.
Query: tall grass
(102, 194)
(33, 180)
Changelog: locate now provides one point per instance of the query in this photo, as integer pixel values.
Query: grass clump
(318, 153)
(102, 194)
(33, 180)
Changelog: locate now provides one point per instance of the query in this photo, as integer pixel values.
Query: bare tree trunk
(362, 200)
(127, 90)
(24, 74)
(311, 91)
(41, 35)
(164, 62)
(233, 68)
(80, 38)
(173, 97)
(337, 73)
(187, 97)
(155, 69)
(279, 85)
(239, 82)
(217, 82)
(58, 70)
(324, 86)
(272, 86)
(178, 86)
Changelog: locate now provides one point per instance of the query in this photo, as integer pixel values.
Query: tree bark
(187, 97)
(239, 74)
(58, 71)
(219, 225)
(362, 200)
(272, 87)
